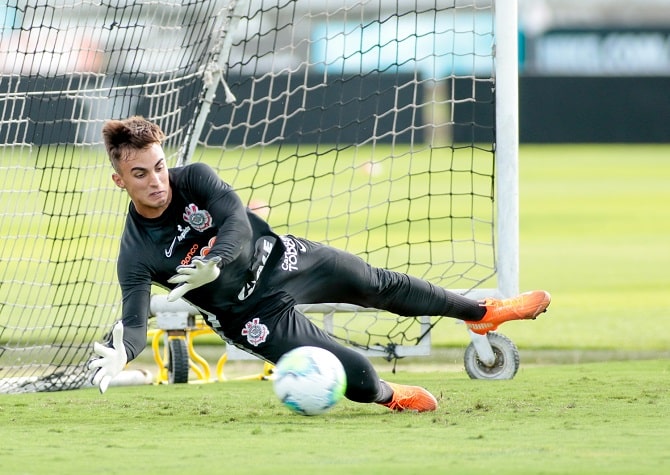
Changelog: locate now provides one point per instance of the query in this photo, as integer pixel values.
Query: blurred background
(590, 70)
(594, 70)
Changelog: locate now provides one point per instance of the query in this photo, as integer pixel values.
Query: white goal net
(373, 126)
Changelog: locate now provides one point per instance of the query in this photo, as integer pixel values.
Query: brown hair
(123, 137)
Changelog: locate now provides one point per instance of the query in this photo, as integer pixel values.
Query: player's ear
(118, 180)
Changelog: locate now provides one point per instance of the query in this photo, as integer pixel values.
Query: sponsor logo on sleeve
(264, 247)
(292, 248)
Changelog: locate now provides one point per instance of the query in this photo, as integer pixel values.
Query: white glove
(196, 274)
(112, 360)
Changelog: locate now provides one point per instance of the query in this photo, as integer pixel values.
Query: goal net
(374, 126)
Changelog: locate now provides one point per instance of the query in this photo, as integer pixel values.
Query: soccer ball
(309, 380)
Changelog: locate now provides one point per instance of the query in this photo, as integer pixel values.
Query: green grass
(595, 227)
(604, 418)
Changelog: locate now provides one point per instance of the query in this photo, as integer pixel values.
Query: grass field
(598, 418)
(595, 227)
(595, 223)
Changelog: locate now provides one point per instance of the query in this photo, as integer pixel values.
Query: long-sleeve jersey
(204, 218)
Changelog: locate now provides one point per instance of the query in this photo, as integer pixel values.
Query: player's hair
(123, 137)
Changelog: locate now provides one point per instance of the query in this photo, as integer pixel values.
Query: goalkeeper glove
(196, 274)
(112, 360)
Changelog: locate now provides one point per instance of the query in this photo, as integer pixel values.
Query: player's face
(144, 175)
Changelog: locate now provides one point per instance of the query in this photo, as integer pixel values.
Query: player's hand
(196, 274)
(112, 360)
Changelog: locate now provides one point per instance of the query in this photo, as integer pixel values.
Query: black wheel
(178, 362)
(506, 362)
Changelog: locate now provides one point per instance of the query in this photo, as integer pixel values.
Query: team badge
(198, 219)
(256, 332)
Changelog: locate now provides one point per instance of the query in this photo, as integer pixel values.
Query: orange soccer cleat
(527, 305)
(410, 398)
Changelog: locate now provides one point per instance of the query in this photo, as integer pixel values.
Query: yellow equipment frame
(197, 364)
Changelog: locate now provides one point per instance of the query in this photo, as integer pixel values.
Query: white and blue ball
(309, 380)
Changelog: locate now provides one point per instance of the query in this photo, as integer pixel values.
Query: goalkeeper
(188, 231)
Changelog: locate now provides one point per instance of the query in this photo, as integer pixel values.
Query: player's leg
(275, 329)
(314, 273)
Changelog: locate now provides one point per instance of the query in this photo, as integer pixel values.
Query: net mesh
(367, 125)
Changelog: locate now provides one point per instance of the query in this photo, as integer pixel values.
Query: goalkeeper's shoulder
(198, 177)
(194, 169)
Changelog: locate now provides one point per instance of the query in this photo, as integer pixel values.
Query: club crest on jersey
(256, 332)
(198, 219)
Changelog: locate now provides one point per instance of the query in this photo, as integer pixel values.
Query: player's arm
(129, 335)
(229, 213)
(135, 317)
(233, 235)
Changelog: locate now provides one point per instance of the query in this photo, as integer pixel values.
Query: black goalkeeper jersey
(205, 218)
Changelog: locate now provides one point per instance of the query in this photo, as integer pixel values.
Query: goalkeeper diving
(188, 231)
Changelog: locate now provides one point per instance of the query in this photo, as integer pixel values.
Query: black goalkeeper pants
(309, 273)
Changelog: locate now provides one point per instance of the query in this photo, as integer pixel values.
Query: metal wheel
(506, 362)
(178, 362)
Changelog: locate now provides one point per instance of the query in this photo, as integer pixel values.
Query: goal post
(388, 129)
(507, 146)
